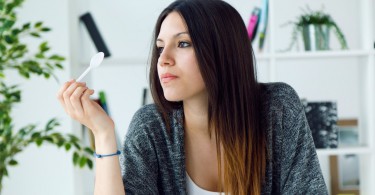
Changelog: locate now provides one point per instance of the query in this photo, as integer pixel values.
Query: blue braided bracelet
(106, 155)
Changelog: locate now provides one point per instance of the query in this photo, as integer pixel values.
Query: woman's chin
(172, 98)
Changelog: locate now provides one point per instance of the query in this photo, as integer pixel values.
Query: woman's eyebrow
(181, 33)
(174, 36)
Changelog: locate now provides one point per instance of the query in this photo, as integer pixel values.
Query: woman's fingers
(75, 100)
(61, 92)
(67, 96)
(85, 99)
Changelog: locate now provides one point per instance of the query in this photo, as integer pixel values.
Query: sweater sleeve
(139, 162)
(300, 169)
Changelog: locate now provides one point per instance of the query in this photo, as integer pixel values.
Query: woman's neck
(196, 117)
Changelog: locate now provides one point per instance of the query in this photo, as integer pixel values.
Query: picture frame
(347, 133)
(344, 169)
(322, 119)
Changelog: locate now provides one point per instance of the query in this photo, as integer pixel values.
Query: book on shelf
(263, 20)
(253, 24)
(103, 101)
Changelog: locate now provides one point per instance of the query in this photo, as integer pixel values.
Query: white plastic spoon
(95, 61)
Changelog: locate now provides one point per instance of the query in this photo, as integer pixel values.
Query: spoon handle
(83, 74)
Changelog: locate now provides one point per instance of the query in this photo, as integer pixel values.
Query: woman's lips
(167, 77)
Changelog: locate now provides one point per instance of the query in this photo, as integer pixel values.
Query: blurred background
(342, 77)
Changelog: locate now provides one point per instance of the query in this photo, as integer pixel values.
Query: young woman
(213, 127)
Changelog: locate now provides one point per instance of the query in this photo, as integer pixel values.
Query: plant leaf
(39, 142)
(35, 135)
(39, 55)
(26, 26)
(68, 146)
(46, 75)
(52, 124)
(16, 31)
(34, 34)
(8, 24)
(38, 24)
(59, 66)
(61, 142)
(89, 163)
(48, 139)
(44, 46)
(57, 58)
(73, 138)
(8, 39)
(77, 145)
(89, 150)
(82, 161)
(13, 162)
(75, 158)
(45, 29)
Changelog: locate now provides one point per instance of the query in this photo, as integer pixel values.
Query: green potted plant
(16, 56)
(315, 27)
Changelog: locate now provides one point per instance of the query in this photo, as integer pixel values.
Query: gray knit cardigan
(153, 160)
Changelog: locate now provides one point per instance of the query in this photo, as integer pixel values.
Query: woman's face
(178, 69)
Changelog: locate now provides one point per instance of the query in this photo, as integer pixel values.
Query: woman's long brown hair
(225, 57)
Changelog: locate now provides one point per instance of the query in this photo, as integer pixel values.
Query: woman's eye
(183, 44)
(160, 49)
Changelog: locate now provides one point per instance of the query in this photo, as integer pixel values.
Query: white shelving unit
(359, 58)
(343, 151)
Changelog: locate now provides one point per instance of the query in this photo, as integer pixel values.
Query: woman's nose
(166, 58)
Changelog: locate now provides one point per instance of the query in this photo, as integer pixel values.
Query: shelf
(341, 151)
(314, 54)
(324, 54)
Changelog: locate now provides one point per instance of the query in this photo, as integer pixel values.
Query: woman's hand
(75, 98)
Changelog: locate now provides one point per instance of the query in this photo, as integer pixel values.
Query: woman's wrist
(105, 142)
